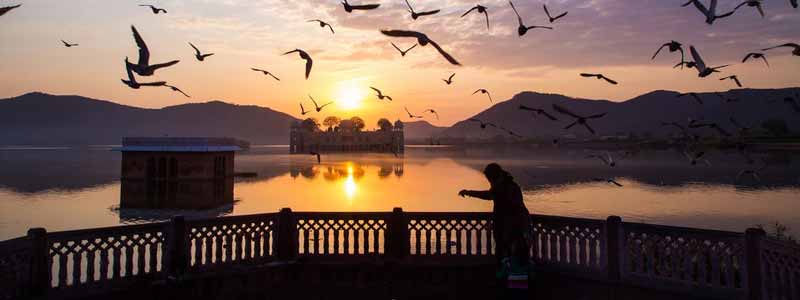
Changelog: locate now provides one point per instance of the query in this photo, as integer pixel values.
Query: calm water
(70, 188)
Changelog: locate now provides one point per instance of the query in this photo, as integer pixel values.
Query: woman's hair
(494, 171)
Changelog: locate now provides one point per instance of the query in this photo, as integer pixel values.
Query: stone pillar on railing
(40, 274)
(614, 248)
(752, 251)
(287, 247)
(177, 249)
(397, 240)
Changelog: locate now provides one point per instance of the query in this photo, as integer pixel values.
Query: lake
(62, 188)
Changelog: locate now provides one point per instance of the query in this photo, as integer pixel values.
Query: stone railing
(705, 263)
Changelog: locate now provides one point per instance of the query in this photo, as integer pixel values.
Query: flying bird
(415, 15)
(323, 24)
(484, 91)
(725, 98)
(5, 9)
(304, 55)
(756, 55)
(422, 40)
(303, 111)
(694, 157)
(433, 112)
(710, 125)
(672, 46)
(792, 2)
(609, 180)
(743, 130)
(553, 19)
(522, 29)
(319, 158)
(795, 52)
(132, 83)
(606, 159)
(198, 55)
(752, 3)
(793, 103)
(350, 8)
(599, 76)
(68, 45)
(154, 9)
(694, 95)
(734, 78)
(481, 10)
(266, 73)
(579, 120)
(538, 111)
(710, 13)
(402, 53)
(449, 80)
(700, 65)
(176, 89)
(319, 108)
(688, 64)
(411, 115)
(143, 66)
(482, 123)
(380, 95)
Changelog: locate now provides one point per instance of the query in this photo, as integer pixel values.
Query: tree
(384, 124)
(331, 122)
(776, 127)
(358, 123)
(310, 124)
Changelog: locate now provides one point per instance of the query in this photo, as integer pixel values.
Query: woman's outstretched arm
(485, 195)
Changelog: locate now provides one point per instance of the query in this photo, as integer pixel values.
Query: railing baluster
(325, 243)
(479, 241)
(228, 247)
(346, 242)
(376, 240)
(428, 241)
(356, 244)
(128, 260)
(90, 262)
(238, 240)
(562, 246)
(139, 259)
(418, 241)
(259, 240)
(77, 257)
(447, 236)
(198, 248)
(116, 263)
(316, 242)
(248, 239)
(208, 249)
(366, 239)
(336, 231)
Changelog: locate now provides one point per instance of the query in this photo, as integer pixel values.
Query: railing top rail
(785, 244)
(306, 214)
(535, 217)
(226, 219)
(449, 214)
(686, 230)
(100, 231)
(14, 244)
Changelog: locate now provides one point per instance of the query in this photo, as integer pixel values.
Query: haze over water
(73, 188)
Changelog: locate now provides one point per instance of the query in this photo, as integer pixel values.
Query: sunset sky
(616, 38)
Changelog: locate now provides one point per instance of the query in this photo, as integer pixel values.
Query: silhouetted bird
(606, 159)
(143, 66)
(578, 118)
(303, 111)
(5, 9)
(684, 131)
(402, 53)
(319, 158)
(792, 2)
(752, 3)
(710, 125)
(176, 89)
(411, 115)
(422, 40)
(750, 172)
(198, 55)
(433, 112)
(538, 111)
(380, 95)
(795, 52)
(154, 9)
(68, 45)
(756, 55)
(351, 8)
(688, 64)
(266, 73)
(734, 78)
(522, 29)
(694, 95)
(415, 15)
(609, 180)
(743, 130)
(304, 55)
(323, 24)
(132, 83)
(700, 65)
(482, 123)
(793, 103)
(599, 76)
(694, 157)
(480, 9)
(710, 13)
(553, 19)
(725, 98)
(672, 46)
(319, 108)
(484, 91)
(449, 80)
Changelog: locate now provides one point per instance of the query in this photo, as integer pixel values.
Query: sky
(613, 37)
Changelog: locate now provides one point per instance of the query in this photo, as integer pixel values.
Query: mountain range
(43, 119)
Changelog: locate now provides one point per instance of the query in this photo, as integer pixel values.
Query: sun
(349, 96)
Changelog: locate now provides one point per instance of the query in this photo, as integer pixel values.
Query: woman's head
(495, 174)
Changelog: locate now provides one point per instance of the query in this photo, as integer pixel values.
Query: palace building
(346, 138)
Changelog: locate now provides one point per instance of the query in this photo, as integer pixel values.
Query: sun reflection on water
(350, 184)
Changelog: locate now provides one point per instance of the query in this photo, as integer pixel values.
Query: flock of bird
(144, 68)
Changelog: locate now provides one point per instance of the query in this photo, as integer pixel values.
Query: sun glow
(350, 184)
(349, 96)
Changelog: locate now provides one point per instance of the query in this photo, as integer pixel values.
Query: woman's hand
(463, 193)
